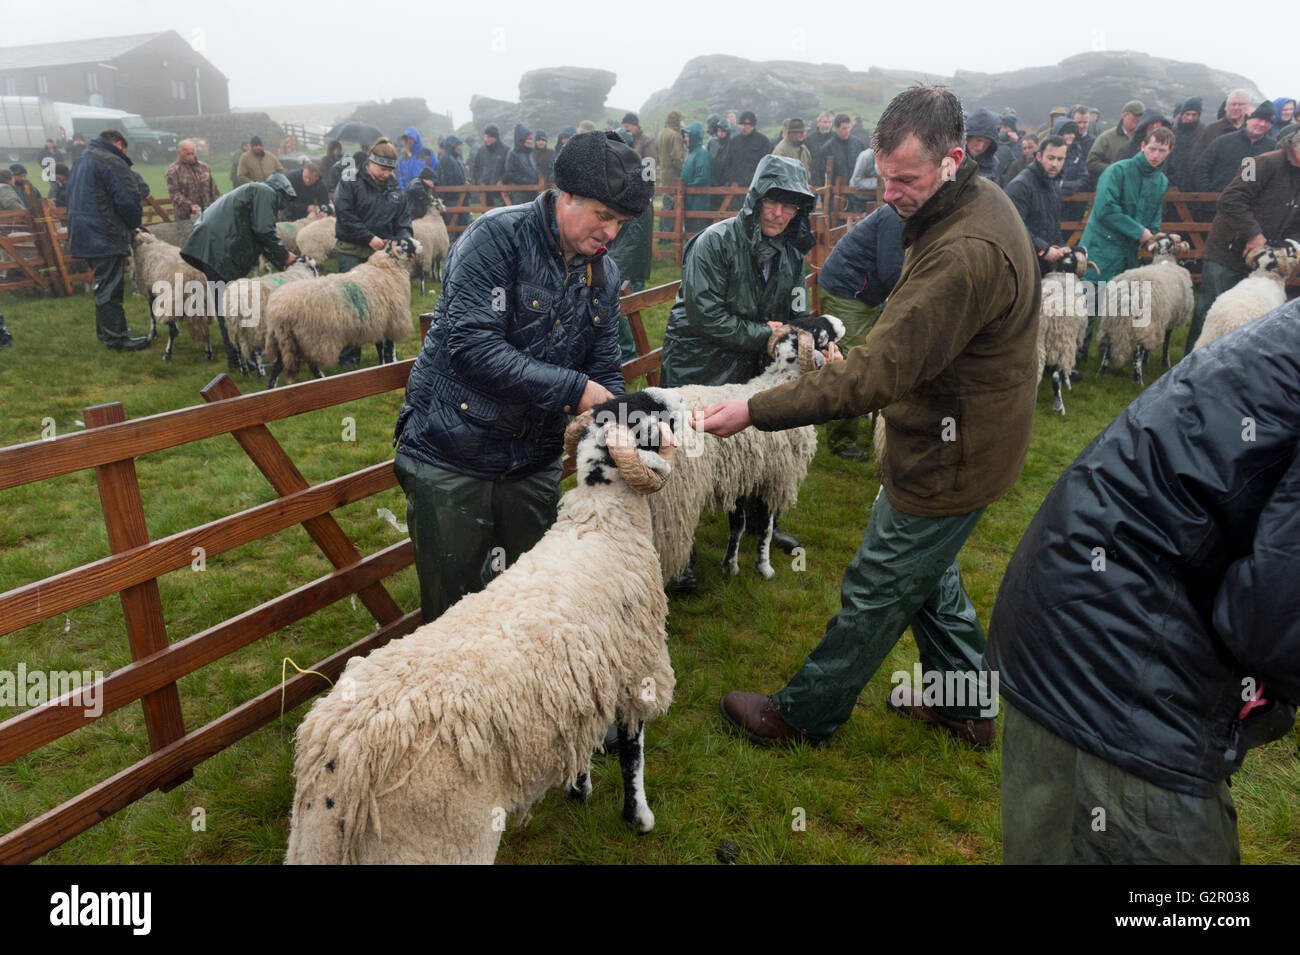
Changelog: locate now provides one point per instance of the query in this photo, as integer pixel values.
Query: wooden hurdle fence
(110, 446)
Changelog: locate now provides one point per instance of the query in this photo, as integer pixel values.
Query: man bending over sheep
(525, 334)
(952, 362)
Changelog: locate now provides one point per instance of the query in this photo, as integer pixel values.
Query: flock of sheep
(302, 315)
(426, 746)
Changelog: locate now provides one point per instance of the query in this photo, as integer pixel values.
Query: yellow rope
(284, 668)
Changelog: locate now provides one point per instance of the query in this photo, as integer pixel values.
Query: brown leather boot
(977, 734)
(754, 716)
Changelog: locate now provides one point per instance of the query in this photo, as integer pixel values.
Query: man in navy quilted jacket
(525, 335)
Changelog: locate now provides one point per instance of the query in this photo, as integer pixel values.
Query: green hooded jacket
(717, 329)
(1130, 199)
(232, 232)
(695, 170)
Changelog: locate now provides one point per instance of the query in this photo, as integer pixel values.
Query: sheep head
(1168, 244)
(1279, 258)
(801, 343)
(406, 251)
(1074, 260)
(634, 436)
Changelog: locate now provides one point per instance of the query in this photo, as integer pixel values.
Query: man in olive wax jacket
(952, 363)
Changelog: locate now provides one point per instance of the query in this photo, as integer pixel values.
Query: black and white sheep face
(1167, 244)
(825, 329)
(1280, 258)
(405, 250)
(651, 418)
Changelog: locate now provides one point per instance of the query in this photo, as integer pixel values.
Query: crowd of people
(972, 216)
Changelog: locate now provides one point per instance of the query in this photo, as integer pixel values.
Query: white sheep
(288, 231)
(316, 239)
(173, 233)
(763, 467)
(175, 289)
(1263, 290)
(1063, 319)
(313, 320)
(423, 747)
(1141, 307)
(245, 303)
(431, 232)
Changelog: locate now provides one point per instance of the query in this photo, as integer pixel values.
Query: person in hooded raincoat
(696, 172)
(409, 160)
(521, 165)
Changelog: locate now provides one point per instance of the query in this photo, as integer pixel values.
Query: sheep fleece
(503, 697)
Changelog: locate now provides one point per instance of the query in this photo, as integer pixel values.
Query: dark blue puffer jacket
(517, 333)
(867, 262)
(103, 202)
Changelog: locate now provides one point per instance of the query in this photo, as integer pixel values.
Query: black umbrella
(354, 132)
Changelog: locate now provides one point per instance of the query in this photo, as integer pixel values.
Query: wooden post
(53, 252)
(119, 495)
(679, 219)
(279, 469)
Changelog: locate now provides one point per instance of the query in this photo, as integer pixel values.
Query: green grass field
(887, 790)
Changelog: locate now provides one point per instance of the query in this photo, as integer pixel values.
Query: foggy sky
(379, 49)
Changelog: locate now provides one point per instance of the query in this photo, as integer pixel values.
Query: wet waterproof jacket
(1222, 159)
(364, 209)
(952, 360)
(717, 328)
(237, 228)
(671, 151)
(1130, 199)
(984, 122)
(718, 147)
(489, 164)
(1267, 204)
(743, 155)
(1038, 200)
(305, 195)
(517, 334)
(521, 166)
(1191, 497)
(792, 150)
(409, 161)
(695, 168)
(866, 263)
(1105, 151)
(1185, 135)
(1220, 127)
(845, 154)
(103, 202)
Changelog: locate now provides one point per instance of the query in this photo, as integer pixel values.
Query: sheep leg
(764, 523)
(631, 759)
(275, 373)
(315, 371)
(421, 279)
(172, 332)
(1139, 356)
(1104, 351)
(580, 788)
(736, 523)
(1058, 405)
(1169, 334)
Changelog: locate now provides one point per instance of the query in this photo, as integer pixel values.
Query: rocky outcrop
(395, 115)
(550, 98)
(1104, 79)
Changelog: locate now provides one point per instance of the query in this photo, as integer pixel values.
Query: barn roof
(68, 52)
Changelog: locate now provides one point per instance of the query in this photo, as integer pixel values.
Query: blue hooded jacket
(409, 162)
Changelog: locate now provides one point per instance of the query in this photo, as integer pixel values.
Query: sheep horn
(573, 433)
(635, 473)
(807, 351)
(1093, 265)
(775, 337)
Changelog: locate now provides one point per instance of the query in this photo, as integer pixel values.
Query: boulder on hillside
(1105, 79)
(551, 99)
(395, 115)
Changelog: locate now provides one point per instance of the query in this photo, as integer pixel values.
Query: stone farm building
(153, 74)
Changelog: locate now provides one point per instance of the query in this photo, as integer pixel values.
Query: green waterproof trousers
(466, 530)
(905, 573)
(1063, 805)
(858, 317)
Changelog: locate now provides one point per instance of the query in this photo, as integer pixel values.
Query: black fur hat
(600, 166)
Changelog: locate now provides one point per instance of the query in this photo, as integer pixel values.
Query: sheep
(288, 231)
(245, 304)
(1263, 290)
(316, 239)
(1063, 319)
(314, 320)
(431, 232)
(769, 466)
(424, 746)
(156, 265)
(1141, 307)
(173, 233)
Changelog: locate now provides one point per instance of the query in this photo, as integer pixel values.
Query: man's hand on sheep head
(723, 419)
(593, 394)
